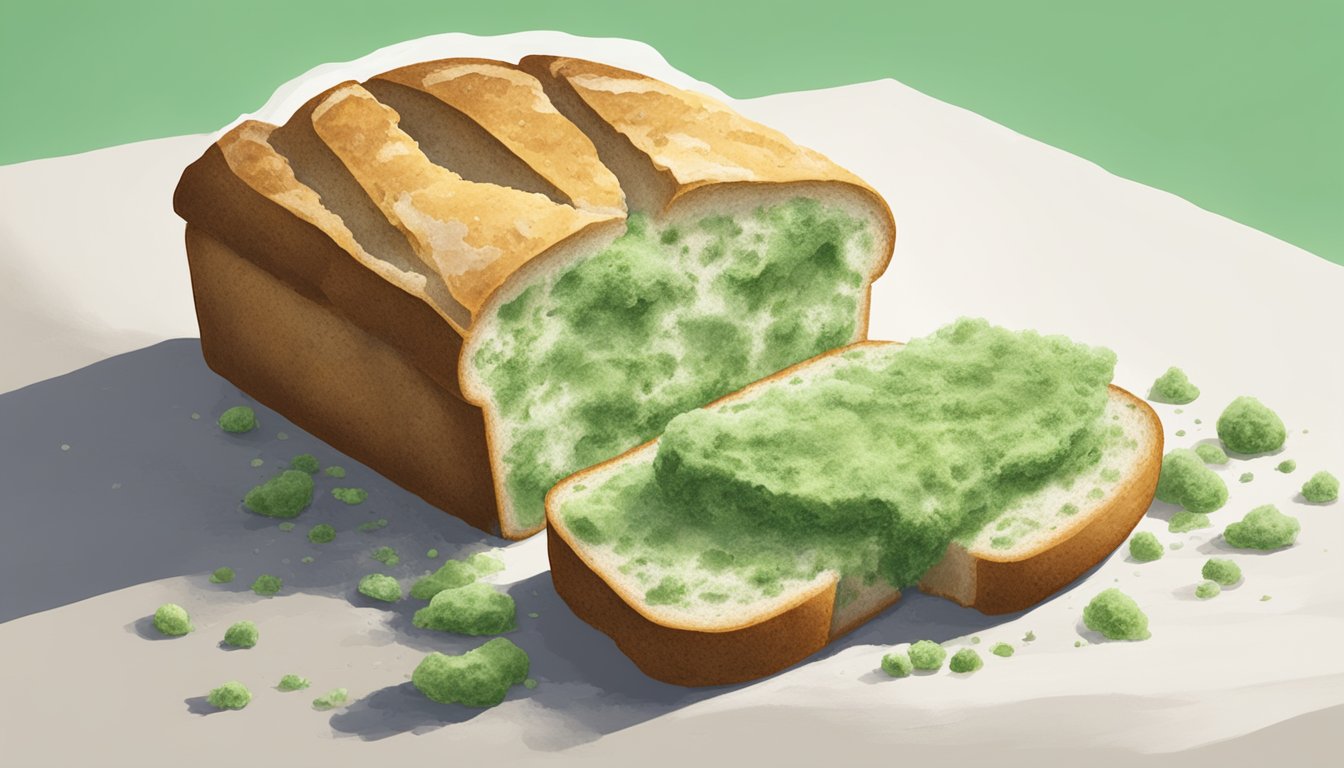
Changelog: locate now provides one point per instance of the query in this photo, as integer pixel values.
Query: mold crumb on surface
(1145, 547)
(238, 419)
(351, 496)
(897, 664)
(172, 620)
(1321, 488)
(380, 587)
(1263, 528)
(1225, 572)
(386, 555)
(304, 462)
(331, 699)
(1116, 615)
(1173, 387)
(1188, 483)
(284, 495)
(293, 683)
(480, 677)
(927, 655)
(471, 609)
(965, 661)
(241, 634)
(267, 585)
(231, 695)
(1249, 426)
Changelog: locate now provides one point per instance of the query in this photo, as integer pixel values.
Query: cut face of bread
(489, 225)
(589, 358)
(845, 479)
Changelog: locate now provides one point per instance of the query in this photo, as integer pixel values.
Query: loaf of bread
(986, 467)
(478, 277)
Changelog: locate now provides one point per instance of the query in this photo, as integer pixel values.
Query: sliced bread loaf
(760, 528)
(435, 270)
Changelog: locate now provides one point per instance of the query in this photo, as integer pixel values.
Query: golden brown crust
(510, 104)
(474, 235)
(213, 198)
(696, 139)
(995, 584)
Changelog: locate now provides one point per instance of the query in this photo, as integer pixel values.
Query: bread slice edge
(738, 652)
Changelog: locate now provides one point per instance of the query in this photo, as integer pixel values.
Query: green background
(1236, 106)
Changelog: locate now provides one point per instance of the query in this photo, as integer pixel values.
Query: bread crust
(511, 106)
(696, 146)
(465, 243)
(661, 648)
(299, 356)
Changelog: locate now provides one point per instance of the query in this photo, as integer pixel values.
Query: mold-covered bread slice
(475, 239)
(756, 530)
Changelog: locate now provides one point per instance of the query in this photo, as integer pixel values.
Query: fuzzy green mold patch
(1264, 528)
(471, 609)
(665, 319)
(231, 695)
(1249, 426)
(1173, 387)
(1323, 487)
(455, 573)
(380, 587)
(284, 495)
(1116, 615)
(241, 634)
(1185, 481)
(293, 683)
(480, 677)
(748, 498)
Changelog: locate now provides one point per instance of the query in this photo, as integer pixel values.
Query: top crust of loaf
(477, 236)
(248, 152)
(473, 235)
(700, 145)
(511, 105)
(697, 139)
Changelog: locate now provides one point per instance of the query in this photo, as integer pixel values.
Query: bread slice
(1038, 550)
(448, 222)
